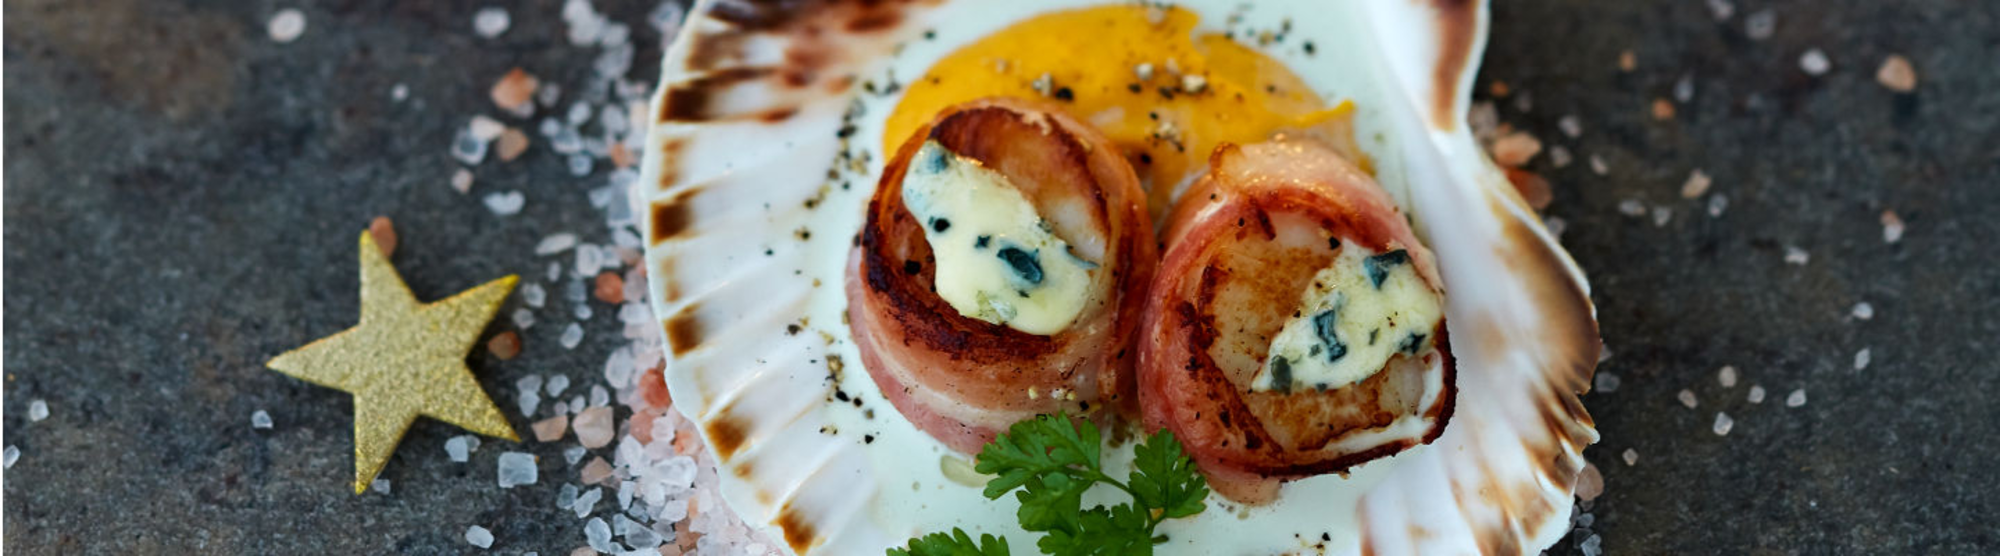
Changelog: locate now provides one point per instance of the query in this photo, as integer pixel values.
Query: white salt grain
(574, 454)
(594, 427)
(1593, 546)
(1761, 24)
(13, 455)
(1797, 398)
(1606, 382)
(1697, 184)
(507, 203)
(1861, 359)
(582, 312)
(38, 410)
(260, 419)
(461, 181)
(523, 318)
(1892, 227)
(1684, 88)
(1598, 166)
(579, 165)
(1716, 204)
(517, 468)
(1687, 398)
(1797, 256)
(566, 497)
(1662, 215)
(1726, 376)
(468, 148)
(1863, 311)
(557, 384)
(1631, 457)
(381, 486)
(479, 536)
(1721, 9)
(459, 448)
(1756, 394)
(599, 397)
(555, 243)
(587, 502)
(1814, 62)
(571, 336)
(399, 92)
(1560, 156)
(528, 400)
(287, 25)
(1571, 125)
(1723, 423)
(599, 535)
(490, 22)
(1631, 207)
(485, 128)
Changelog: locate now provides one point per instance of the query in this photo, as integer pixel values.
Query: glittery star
(405, 359)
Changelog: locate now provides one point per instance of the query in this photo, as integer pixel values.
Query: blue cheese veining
(1356, 314)
(998, 260)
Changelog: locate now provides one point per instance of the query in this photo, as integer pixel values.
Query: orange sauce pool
(1203, 89)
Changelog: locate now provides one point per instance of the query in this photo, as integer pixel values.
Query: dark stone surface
(182, 194)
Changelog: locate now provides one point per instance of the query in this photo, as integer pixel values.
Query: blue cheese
(998, 260)
(1356, 314)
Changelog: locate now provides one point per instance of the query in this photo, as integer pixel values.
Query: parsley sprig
(1048, 462)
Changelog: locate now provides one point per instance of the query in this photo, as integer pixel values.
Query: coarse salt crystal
(1606, 382)
(534, 295)
(579, 165)
(1662, 215)
(485, 128)
(599, 397)
(399, 92)
(1515, 149)
(1797, 256)
(595, 472)
(1598, 166)
(1863, 311)
(1897, 74)
(594, 427)
(512, 143)
(468, 148)
(1631, 207)
(1721, 9)
(574, 454)
(38, 410)
(1797, 398)
(587, 502)
(1815, 62)
(517, 468)
(13, 455)
(555, 243)
(1761, 24)
(1723, 423)
(571, 336)
(1716, 204)
(1193, 84)
(490, 21)
(1684, 88)
(506, 203)
(461, 181)
(550, 429)
(582, 312)
(1589, 482)
(1593, 546)
(1696, 184)
(1687, 398)
(381, 486)
(1560, 156)
(1571, 126)
(1756, 394)
(286, 25)
(523, 318)
(1861, 359)
(459, 448)
(260, 419)
(557, 384)
(529, 400)
(479, 536)
(1892, 227)
(1726, 376)
(1631, 457)
(599, 535)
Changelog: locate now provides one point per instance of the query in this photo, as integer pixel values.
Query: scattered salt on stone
(1570, 125)
(1761, 24)
(595, 472)
(1662, 110)
(381, 486)
(1723, 423)
(1861, 359)
(1897, 74)
(479, 536)
(1606, 382)
(551, 429)
(1696, 185)
(574, 454)
(1687, 398)
(1593, 546)
(512, 143)
(594, 427)
(1589, 482)
(529, 400)
(566, 497)
(571, 336)
(506, 203)
(287, 25)
(1814, 62)
(579, 165)
(1756, 394)
(484, 128)
(1721, 9)
(1726, 376)
(461, 181)
(599, 535)
(1598, 166)
(1631, 207)
(505, 345)
(13, 455)
(514, 93)
(459, 448)
(260, 419)
(490, 22)
(1684, 88)
(534, 295)
(1631, 457)
(38, 410)
(587, 502)
(1716, 204)
(1863, 311)
(1662, 215)
(1892, 227)
(1797, 256)
(555, 243)
(583, 312)
(557, 384)
(517, 468)
(1560, 156)
(1797, 398)
(523, 318)
(1628, 61)
(610, 288)
(599, 397)
(468, 147)
(399, 92)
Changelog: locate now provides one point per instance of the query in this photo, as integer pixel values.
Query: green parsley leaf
(957, 543)
(1163, 478)
(1119, 530)
(1037, 447)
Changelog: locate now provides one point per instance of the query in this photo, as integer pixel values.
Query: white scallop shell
(750, 215)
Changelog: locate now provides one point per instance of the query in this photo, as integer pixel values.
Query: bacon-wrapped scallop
(1296, 325)
(1000, 272)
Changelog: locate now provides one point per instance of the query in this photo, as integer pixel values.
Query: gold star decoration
(405, 359)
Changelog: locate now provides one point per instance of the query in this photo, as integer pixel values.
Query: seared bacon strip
(1242, 245)
(964, 380)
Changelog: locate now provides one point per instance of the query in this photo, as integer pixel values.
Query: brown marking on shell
(670, 163)
(684, 331)
(1571, 329)
(1458, 22)
(671, 287)
(800, 533)
(673, 215)
(726, 434)
(810, 30)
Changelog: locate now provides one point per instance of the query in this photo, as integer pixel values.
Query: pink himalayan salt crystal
(596, 471)
(551, 429)
(1589, 482)
(594, 427)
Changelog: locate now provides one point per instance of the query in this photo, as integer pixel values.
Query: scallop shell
(753, 194)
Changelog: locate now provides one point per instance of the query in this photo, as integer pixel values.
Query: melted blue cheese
(1356, 314)
(998, 260)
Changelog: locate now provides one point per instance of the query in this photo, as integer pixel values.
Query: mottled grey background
(182, 194)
